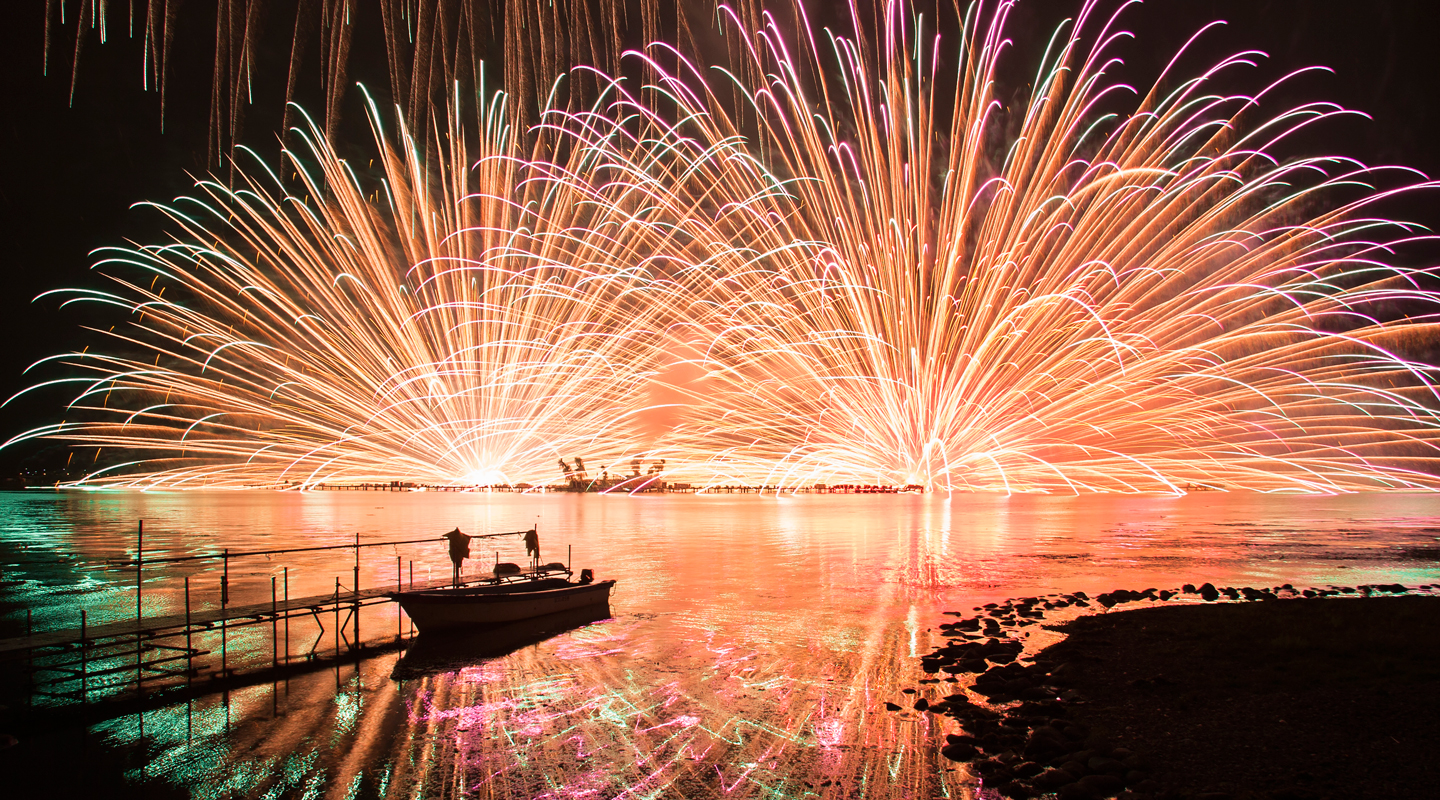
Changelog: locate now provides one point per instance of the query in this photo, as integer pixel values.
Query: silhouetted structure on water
(578, 480)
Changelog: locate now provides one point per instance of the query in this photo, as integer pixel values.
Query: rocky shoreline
(1273, 694)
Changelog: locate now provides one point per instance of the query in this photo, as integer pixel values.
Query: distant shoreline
(596, 487)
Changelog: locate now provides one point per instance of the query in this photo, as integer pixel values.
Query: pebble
(1053, 779)
(959, 751)
(1027, 769)
(1108, 766)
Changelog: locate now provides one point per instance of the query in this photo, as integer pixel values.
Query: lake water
(752, 645)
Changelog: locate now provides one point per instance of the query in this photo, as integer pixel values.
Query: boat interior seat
(506, 568)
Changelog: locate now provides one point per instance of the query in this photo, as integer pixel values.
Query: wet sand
(1318, 698)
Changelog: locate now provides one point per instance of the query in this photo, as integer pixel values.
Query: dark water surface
(752, 645)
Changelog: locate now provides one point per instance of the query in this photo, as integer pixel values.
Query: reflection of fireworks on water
(675, 717)
(1132, 301)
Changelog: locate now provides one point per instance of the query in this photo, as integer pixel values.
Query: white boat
(500, 602)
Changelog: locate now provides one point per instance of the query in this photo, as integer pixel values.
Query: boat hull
(447, 609)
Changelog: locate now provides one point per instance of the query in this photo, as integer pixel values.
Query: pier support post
(287, 615)
(355, 593)
(139, 614)
(29, 659)
(84, 660)
(189, 650)
(224, 603)
(274, 627)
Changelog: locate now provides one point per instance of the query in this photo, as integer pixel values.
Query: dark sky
(71, 172)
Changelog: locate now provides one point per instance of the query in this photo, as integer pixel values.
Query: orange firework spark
(872, 290)
(1132, 301)
(431, 321)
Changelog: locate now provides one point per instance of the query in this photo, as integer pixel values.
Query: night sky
(71, 172)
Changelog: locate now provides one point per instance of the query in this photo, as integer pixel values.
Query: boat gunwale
(477, 595)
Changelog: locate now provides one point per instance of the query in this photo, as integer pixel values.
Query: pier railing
(75, 664)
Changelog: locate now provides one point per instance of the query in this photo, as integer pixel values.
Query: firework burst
(1141, 299)
(880, 271)
(458, 318)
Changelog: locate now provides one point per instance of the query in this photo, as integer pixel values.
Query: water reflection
(449, 651)
(750, 648)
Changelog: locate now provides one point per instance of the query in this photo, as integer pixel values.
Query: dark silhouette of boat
(501, 602)
(451, 650)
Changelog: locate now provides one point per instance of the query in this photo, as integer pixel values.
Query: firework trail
(428, 47)
(1119, 299)
(421, 320)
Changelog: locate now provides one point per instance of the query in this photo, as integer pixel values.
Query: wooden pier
(73, 664)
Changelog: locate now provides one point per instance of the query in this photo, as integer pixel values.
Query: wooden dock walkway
(143, 652)
(169, 625)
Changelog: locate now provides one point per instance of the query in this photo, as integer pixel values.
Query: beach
(1283, 697)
